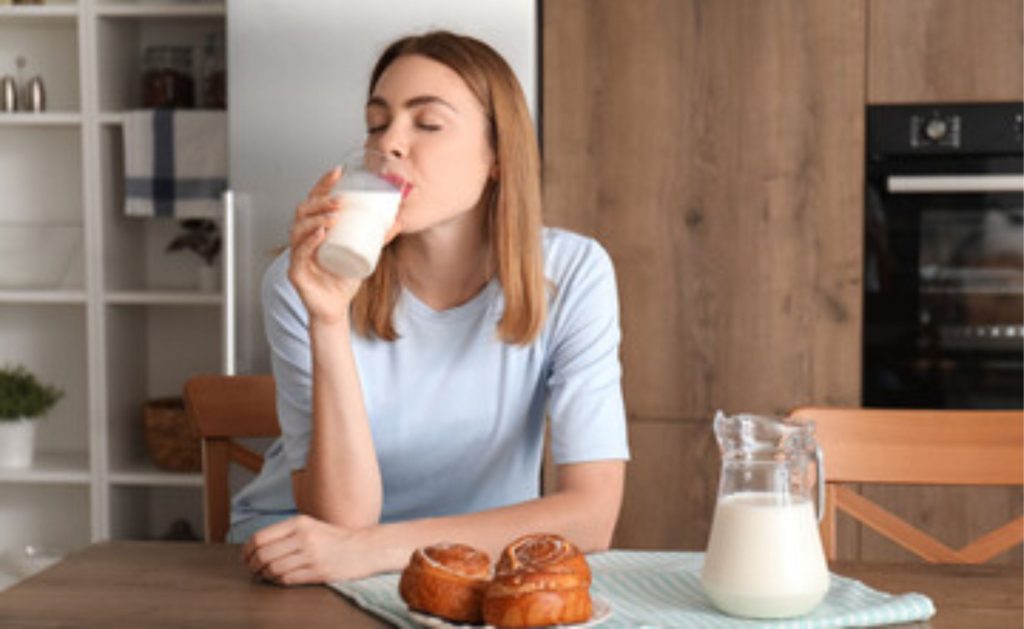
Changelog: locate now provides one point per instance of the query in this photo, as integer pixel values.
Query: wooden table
(965, 597)
(162, 584)
(168, 584)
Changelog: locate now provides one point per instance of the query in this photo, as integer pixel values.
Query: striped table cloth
(662, 589)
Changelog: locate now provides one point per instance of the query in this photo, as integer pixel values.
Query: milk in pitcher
(779, 572)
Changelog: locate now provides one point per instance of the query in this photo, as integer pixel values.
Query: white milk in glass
(764, 557)
(353, 245)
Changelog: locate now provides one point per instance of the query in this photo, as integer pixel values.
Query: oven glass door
(944, 296)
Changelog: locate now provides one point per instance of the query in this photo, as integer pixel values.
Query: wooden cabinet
(716, 150)
(945, 50)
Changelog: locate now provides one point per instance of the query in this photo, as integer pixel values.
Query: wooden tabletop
(164, 584)
(965, 597)
(168, 584)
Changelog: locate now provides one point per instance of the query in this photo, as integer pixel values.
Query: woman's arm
(341, 482)
(583, 509)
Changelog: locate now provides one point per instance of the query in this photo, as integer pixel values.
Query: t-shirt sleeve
(287, 327)
(588, 417)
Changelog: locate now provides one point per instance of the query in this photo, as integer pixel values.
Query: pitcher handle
(819, 461)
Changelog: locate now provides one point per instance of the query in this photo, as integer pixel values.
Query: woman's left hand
(303, 550)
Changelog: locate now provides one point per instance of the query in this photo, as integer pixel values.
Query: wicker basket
(172, 440)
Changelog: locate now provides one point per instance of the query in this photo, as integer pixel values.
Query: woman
(412, 405)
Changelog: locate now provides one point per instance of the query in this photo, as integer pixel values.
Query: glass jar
(765, 557)
(167, 77)
(214, 83)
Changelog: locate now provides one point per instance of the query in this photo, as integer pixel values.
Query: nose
(394, 140)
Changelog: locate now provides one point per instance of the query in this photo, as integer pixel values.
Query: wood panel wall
(945, 50)
(716, 150)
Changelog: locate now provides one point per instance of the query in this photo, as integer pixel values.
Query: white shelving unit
(43, 119)
(58, 468)
(89, 299)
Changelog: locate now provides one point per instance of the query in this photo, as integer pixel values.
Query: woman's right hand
(326, 296)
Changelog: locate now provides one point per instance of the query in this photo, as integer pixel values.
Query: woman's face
(422, 113)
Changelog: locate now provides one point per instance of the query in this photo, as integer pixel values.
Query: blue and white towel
(662, 589)
(175, 163)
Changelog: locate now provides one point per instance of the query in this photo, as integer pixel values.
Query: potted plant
(23, 399)
(202, 237)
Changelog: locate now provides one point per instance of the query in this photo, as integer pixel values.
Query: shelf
(42, 119)
(163, 298)
(39, 12)
(47, 38)
(113, 119)
(42, 297)
(168, 10)
(51, 343)
(52, 468)
(124, 38)
(42, 192)
(146, 474)
(116, 119)
(61, 212)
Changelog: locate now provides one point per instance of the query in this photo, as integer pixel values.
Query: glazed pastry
(446, 580)
(541, 579)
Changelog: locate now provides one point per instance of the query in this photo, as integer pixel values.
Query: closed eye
(420, 125)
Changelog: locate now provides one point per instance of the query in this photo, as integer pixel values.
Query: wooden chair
(224, 408)
(917, 447)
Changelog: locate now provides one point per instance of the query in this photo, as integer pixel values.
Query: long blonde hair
(512, 201)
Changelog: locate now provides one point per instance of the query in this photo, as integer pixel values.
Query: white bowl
(39, 256)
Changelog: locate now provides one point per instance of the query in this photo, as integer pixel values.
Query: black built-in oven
(944, 256)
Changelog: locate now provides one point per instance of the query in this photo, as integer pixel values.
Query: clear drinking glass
(371, 188)
(764, 556)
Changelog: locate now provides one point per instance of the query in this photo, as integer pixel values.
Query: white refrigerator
(297, 80)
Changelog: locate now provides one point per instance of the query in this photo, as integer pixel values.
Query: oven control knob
(936, 129)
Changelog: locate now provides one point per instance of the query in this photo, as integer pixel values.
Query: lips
(400, 183)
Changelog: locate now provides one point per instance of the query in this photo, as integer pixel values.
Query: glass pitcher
(764, 556)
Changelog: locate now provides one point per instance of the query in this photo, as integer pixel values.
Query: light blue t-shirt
(457, 416)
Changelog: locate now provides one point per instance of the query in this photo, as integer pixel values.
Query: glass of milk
(764, 556)
(371, 188)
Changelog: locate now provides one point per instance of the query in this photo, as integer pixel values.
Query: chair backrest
(911, 447)
(224, 408)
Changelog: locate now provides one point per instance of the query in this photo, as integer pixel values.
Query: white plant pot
(17, 443)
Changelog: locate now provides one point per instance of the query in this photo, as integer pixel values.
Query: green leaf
(22, 395)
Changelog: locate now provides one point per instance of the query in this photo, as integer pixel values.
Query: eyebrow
(415, 101)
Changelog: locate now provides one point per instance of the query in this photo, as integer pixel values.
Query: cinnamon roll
(446, 580)
(541, 579)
